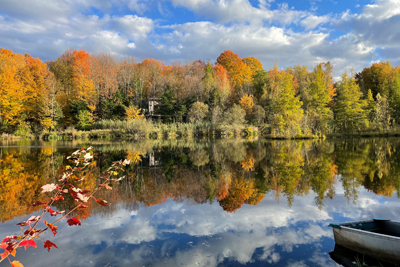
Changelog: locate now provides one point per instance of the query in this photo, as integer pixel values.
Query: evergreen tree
(260, 83)
(350, 109)
(319, 108)
(370, 106)
(382, 112)
(395, 98)
(168, 102)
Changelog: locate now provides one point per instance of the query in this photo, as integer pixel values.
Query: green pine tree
(319, 101)
(395, 98)
(382, 113)
(370, 106)
(168, 101)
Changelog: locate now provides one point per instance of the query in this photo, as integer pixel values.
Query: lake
(203, 203)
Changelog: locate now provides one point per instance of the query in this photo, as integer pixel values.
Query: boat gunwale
(365, 232)
(382, 236)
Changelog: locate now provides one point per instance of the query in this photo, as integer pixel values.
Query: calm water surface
(205, 203)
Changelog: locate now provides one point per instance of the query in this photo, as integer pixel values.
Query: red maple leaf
(27, 243)
(8, 238)
(74, 221)
(31, 231)
(53, 228)
(54, 213)
(9, 249)
(48, 244)
(30, 221)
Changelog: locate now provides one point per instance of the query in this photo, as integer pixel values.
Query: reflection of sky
(183, 234)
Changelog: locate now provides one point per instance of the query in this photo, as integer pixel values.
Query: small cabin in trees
(152, 102)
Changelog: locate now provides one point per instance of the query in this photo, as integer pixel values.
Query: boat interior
(379, 226)
(350, 258)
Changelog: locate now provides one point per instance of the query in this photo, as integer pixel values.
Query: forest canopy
(79, 89)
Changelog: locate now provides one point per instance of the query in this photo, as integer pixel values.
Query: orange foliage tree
(253, 63)
(222, 79)
(83, 78)
(25, 89)
(238, 71)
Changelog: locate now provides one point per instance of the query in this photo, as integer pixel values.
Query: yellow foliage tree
(248, 163)
(247, 103)
(133, 113)
(253, 63)
(24, 89)
(12, 90)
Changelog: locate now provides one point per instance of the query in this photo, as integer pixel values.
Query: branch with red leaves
(80, 160)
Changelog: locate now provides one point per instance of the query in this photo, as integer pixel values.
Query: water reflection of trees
(22, 173)
(231, 172)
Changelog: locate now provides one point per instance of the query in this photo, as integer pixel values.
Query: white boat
(378, 238)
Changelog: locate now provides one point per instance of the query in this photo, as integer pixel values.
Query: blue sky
(350, 34)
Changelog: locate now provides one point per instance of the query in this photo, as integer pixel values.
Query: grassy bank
(391, 133)
(5, 136)
(142, 129)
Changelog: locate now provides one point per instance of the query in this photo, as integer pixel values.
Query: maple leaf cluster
(79, 159)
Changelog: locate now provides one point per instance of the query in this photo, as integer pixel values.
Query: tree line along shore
(82, 95)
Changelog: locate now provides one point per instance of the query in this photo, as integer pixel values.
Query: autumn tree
(238, 71)
(198, 112)
(104, 70)
(223, 83)
(209, 82)
(234, 115)
(350, 107)
(127, 74)
(319, 113)
(247, 104)
(151, 74)
(133, 113)
(376, 78)
(25, 87)
(285, 112)
(12, 91)
(253, 63)
(303, 78)
(82, 78)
